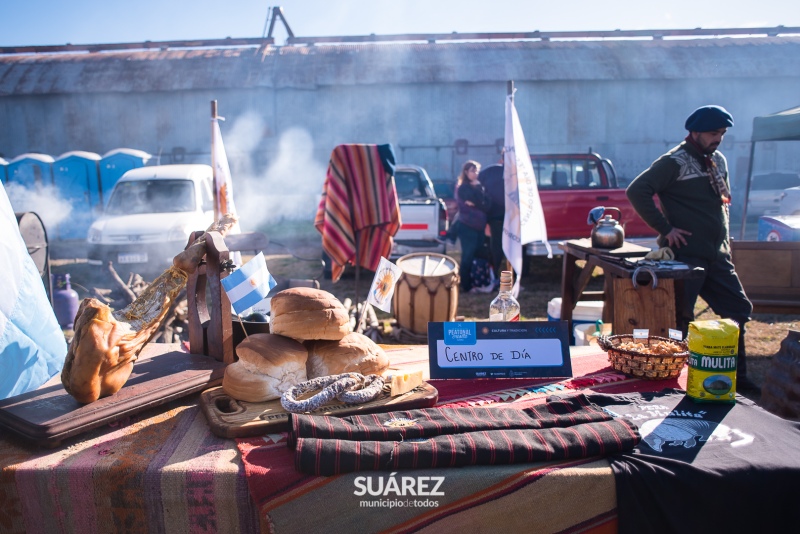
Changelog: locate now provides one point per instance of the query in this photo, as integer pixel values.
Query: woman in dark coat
(471, 228)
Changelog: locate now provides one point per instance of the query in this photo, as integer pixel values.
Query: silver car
(766, 191)
(789, 202)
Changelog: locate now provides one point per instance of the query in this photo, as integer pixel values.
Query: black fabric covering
(387, 157)
(494, 182)
(704, 467)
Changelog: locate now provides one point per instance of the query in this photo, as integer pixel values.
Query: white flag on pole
(223, 183)
(524, 221)
(222, 173)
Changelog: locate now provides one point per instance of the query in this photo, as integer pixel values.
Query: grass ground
(295, 249)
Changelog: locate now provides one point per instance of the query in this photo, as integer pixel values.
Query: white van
(149, 216)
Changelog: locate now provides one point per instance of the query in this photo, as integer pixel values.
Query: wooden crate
(770, 274)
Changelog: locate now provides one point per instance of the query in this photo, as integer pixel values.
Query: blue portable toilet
(3, 165)
(117, 162)
(77, 178)
(30, 170)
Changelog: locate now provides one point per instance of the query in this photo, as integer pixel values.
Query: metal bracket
(647, 270)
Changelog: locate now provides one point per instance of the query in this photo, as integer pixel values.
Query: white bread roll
(354, 353)
(305, 313)
(268, 365)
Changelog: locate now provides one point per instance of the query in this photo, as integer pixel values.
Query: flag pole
(213, 162)
(361, 318)
(217, 214)
(510, 93)
(242, 323)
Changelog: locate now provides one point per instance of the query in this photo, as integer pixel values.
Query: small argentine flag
(248, 285)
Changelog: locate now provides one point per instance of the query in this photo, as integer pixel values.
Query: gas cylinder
(65, 302)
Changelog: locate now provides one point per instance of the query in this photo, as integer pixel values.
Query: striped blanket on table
(456, 437)
(160, 473)
(573, 495)
(359, 210)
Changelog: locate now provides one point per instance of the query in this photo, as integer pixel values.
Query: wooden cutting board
(49, 414)
(230, 418)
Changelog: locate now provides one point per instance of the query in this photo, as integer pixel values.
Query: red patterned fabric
(477, 498)
(359, 205)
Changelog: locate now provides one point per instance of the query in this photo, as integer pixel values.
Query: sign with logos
(525, 349)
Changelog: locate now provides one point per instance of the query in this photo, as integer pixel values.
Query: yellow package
(713, 358)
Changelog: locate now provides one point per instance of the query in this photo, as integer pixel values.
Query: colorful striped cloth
(359, 208)
(493, 447)
(161, 473)
(430, 422)
(557, 496)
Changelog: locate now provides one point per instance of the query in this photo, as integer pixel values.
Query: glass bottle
(504, 307)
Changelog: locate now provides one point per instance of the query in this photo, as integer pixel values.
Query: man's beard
(709, 148)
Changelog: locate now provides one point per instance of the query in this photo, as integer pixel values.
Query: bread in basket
(654, 358)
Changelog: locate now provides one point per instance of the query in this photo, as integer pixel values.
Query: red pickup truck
(572, 184)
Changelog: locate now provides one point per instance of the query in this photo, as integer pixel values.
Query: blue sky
(54, 22)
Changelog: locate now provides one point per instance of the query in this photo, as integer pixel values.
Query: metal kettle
(607, 231)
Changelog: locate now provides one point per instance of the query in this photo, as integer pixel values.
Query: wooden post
(747, 189)
(213, 162)
(198, 306)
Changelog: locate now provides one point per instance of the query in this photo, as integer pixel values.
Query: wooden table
(627, 304)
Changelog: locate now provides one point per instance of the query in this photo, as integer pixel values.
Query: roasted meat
(106, 344)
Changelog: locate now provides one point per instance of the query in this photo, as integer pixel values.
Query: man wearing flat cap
(691, 182)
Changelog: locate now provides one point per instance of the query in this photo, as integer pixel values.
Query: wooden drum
(426, 291)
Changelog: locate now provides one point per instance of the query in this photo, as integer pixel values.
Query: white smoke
(287, 188)
(44, 200)
(243, 139)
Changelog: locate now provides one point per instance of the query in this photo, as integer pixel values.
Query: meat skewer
(106, 344)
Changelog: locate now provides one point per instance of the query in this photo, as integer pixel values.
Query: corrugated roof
(349, 64)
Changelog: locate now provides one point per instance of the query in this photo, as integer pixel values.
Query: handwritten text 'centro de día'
(455, 355)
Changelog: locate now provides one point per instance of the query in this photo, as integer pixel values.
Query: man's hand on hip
(675, 237)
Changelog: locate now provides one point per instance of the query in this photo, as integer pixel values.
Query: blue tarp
(32, 345)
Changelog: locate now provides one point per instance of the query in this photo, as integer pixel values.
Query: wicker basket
(641, 365)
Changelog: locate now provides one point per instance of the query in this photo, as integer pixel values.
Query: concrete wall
(286, 111)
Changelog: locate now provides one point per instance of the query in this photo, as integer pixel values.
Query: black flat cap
(709, 118)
